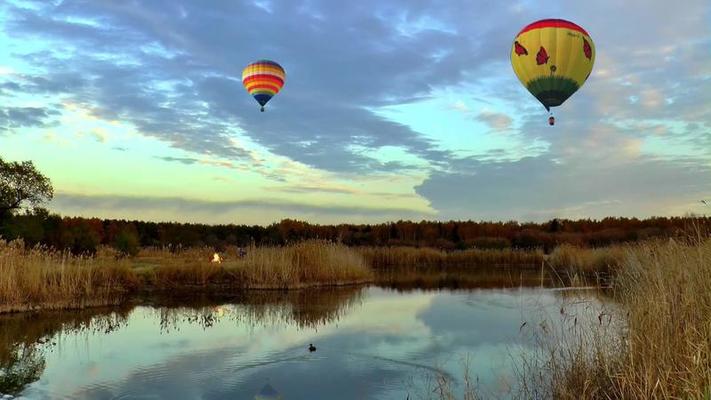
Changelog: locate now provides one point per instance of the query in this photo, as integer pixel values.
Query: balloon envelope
(263, 79)
(552, 58)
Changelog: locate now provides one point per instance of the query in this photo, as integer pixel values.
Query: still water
(372, 343)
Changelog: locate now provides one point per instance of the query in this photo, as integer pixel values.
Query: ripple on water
(382, 346)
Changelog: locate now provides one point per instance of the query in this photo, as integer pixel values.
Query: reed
(42, 278)
(586, 260)
(657, 345)
(308, 263)
(419, 257)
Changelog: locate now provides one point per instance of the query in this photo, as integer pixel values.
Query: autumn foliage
(83, 235)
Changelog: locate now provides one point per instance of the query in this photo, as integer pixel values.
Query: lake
(372, 343)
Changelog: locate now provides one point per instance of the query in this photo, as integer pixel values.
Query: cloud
(495, 120)
(182, 160)
(26, 117)
(538, 188)
(98, 134)
(186, 89)
(218, 211)
(313, 189)
(173, 71)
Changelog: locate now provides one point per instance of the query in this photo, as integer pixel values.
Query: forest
(84, 235)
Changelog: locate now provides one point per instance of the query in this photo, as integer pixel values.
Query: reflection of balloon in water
(263, 79)
(552, 58)
(268, 393)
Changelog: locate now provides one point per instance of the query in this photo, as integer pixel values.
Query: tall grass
(309, 263)
(658, 345)
(414, 257)
(43, 278)
(40, 277)
(303, 263)
(587, 260)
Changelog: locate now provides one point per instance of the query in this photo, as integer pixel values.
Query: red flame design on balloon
(542, 56)
(520, 50)
(587, 49)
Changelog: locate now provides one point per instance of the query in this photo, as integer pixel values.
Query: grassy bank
(587, 260)
(41, 278)
(309, 263)
(425, 257)
(658, 345)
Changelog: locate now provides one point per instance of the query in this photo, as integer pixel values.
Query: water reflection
(21, 366)
(373, 343)
(26, 338)
(303, 309)
(453, 278)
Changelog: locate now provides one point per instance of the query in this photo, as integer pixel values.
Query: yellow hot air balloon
(552, 58)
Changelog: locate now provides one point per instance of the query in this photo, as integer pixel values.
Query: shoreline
(176, 292)
(426, 279)
(41, 279)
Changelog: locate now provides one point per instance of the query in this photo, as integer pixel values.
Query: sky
(397, 109)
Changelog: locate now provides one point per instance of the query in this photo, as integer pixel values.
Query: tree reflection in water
(304, 309)
(19, 367)
(26, 338)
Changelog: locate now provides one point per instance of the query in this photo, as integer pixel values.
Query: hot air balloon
(552, 58)
(263, 79)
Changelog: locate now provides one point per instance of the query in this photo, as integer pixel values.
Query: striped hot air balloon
(552, 58)
(263, 79)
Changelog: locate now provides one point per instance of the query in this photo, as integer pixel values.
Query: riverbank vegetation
(656, 345)
(427, 258)
(38, 277)
(41, 277)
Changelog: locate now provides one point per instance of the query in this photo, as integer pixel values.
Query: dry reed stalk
(43, 278)
(658, 344)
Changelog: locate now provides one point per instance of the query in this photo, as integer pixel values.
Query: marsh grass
(425, 257)
(657, 345)
(587, 260)
(42, 278)
(32, 278)
(309, 263)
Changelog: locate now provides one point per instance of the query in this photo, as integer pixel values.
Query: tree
(127, 242)
(22, 185)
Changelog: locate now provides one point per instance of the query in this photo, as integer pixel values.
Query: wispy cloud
(216, 211)
(642, 119)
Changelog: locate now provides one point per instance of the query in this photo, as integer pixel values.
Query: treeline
(85, 234)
